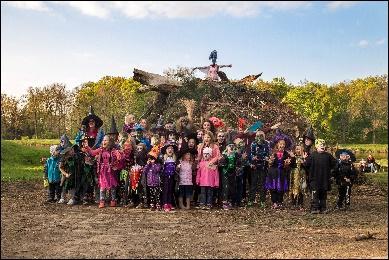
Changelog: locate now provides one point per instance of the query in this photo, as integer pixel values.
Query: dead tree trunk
(155, 82)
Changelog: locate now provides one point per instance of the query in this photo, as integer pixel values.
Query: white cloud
(363, 43)
(91, 8)
(380, 42)
(340, 4)
(30, 5)
(173, 9)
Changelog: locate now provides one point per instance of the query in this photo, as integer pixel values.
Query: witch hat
(92, 116)
(309, 134)
(113, 129)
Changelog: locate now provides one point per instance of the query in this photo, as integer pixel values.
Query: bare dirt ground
(33, 229)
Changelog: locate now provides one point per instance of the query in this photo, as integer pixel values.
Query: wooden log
(155, 82)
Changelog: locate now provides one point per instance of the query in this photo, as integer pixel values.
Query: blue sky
(76, 42)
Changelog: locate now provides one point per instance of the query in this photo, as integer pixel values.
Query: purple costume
(277, 176)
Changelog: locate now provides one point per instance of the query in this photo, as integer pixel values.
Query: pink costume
(106, 166)
(208, 176)
(212, 72)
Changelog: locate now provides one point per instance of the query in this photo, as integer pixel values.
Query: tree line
(353, 111)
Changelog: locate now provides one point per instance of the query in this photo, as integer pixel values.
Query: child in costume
(278, 173)
(152, 171)
(129, 123)
(169, 159)
(53, 176)
(227, 165)
(298, 178)
(71, 166)
(108, 160)
(185, 174)
(319, 164)
(345, 176)
(259, 154)
(127, 148)
(207, 174)
(137, 194)
(242, 162)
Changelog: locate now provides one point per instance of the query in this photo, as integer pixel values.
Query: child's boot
(113, 203)
(102, 204)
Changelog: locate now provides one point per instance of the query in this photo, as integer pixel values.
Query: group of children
(171, 166)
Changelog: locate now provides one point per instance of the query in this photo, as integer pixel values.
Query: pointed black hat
(91, 115)
(114, 129)
(309, 134)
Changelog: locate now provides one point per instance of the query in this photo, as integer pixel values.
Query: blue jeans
(206, 196)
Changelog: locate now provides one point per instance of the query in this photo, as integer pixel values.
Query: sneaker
(140, 206)
(166, 208)
(102, 204)
(61, 201)
(171, 207)
(158, 207)
(226, 206)
(274, 206)
(208, 207)
(113, 203)
(262, 205)
(250, 204)
(316, 211)
(71, 202)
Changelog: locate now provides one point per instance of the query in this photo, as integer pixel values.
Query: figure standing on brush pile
(319, 164)
(212, 71)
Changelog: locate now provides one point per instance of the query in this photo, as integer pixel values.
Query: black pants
(257, 184)
(277, 196)
(298, 200)
(228, 186)
(344, 195)
(246, 178)
(319, 200)
(54, 190)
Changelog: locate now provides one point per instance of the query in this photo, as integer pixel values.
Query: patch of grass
(364, 148)
(21, 162)
(36, 142)
(380, 179)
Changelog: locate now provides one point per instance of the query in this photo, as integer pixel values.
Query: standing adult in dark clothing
(320, 163)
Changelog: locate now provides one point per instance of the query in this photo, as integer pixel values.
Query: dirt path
(32, 229)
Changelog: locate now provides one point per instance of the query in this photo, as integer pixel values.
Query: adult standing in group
(93, 130)
(94, 133)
